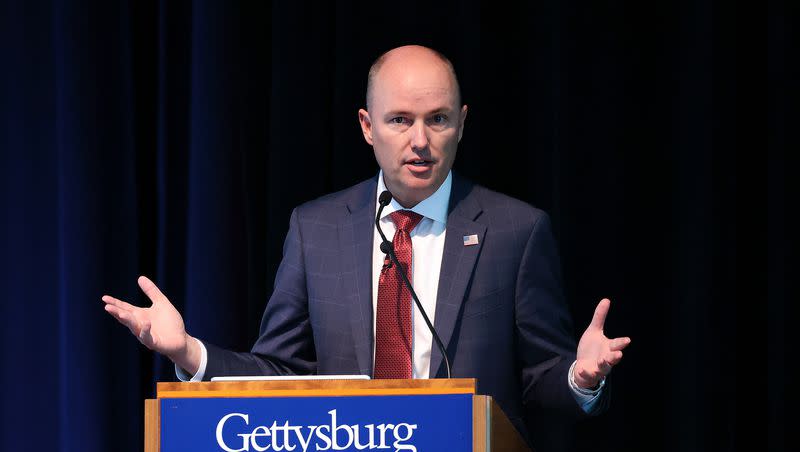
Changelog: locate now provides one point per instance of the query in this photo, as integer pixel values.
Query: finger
(619, 343)
(151, 290)
(604, 366)
(121, 315)
(114, 311)
(124, 317)
(586, 375)
(614, 358)
(118, 303)
(590, 377)
(600, 313)
(586, 369)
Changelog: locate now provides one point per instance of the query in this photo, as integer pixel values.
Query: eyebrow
(393, 113)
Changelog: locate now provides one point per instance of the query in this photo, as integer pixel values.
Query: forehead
(421, 84)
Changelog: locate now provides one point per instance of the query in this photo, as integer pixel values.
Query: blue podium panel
(301, 424)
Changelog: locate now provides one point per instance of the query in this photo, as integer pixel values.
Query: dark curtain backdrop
(172, 139)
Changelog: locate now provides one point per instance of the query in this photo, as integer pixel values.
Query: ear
(461, 117)
(366, 125)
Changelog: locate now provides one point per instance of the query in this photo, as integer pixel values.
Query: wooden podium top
(491, 429)
(314, 388)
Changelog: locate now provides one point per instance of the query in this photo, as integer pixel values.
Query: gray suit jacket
(499, 311)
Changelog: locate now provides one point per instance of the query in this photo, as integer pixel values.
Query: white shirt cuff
(201, 371)
(586, 398)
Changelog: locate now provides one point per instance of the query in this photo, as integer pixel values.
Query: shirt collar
(433, 207)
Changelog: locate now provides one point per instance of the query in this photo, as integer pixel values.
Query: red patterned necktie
(393, 317)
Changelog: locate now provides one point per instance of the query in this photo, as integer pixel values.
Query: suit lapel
(356, 238)
(458, 263)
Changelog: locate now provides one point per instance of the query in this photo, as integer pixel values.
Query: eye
(398, 120)
(439, 118)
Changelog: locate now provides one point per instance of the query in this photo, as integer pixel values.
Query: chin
(415, 183)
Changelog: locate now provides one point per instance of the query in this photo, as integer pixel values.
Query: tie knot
(405, 220)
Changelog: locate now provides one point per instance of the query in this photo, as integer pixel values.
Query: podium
(307, 415)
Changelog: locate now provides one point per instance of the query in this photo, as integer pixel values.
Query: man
(484, 265)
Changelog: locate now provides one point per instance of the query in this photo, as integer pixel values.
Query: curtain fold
(172, 139)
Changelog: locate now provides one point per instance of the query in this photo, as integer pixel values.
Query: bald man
(484, 265)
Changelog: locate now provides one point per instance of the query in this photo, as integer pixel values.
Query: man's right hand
(159, 327)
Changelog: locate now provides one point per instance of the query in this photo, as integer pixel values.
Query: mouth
(419, 167)
(419, 163)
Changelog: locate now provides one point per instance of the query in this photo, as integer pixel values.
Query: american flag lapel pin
(470, 240)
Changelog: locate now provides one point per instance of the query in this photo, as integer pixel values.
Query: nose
(419, 136)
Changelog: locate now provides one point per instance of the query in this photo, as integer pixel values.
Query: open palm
(159, 327)
(597, 354)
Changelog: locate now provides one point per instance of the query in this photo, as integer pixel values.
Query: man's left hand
(597, 354)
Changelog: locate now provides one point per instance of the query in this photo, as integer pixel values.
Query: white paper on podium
(292, 377)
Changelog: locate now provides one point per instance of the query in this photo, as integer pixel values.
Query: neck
(409, 198)
(404, 201)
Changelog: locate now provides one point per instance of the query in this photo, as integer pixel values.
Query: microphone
(386, 247)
